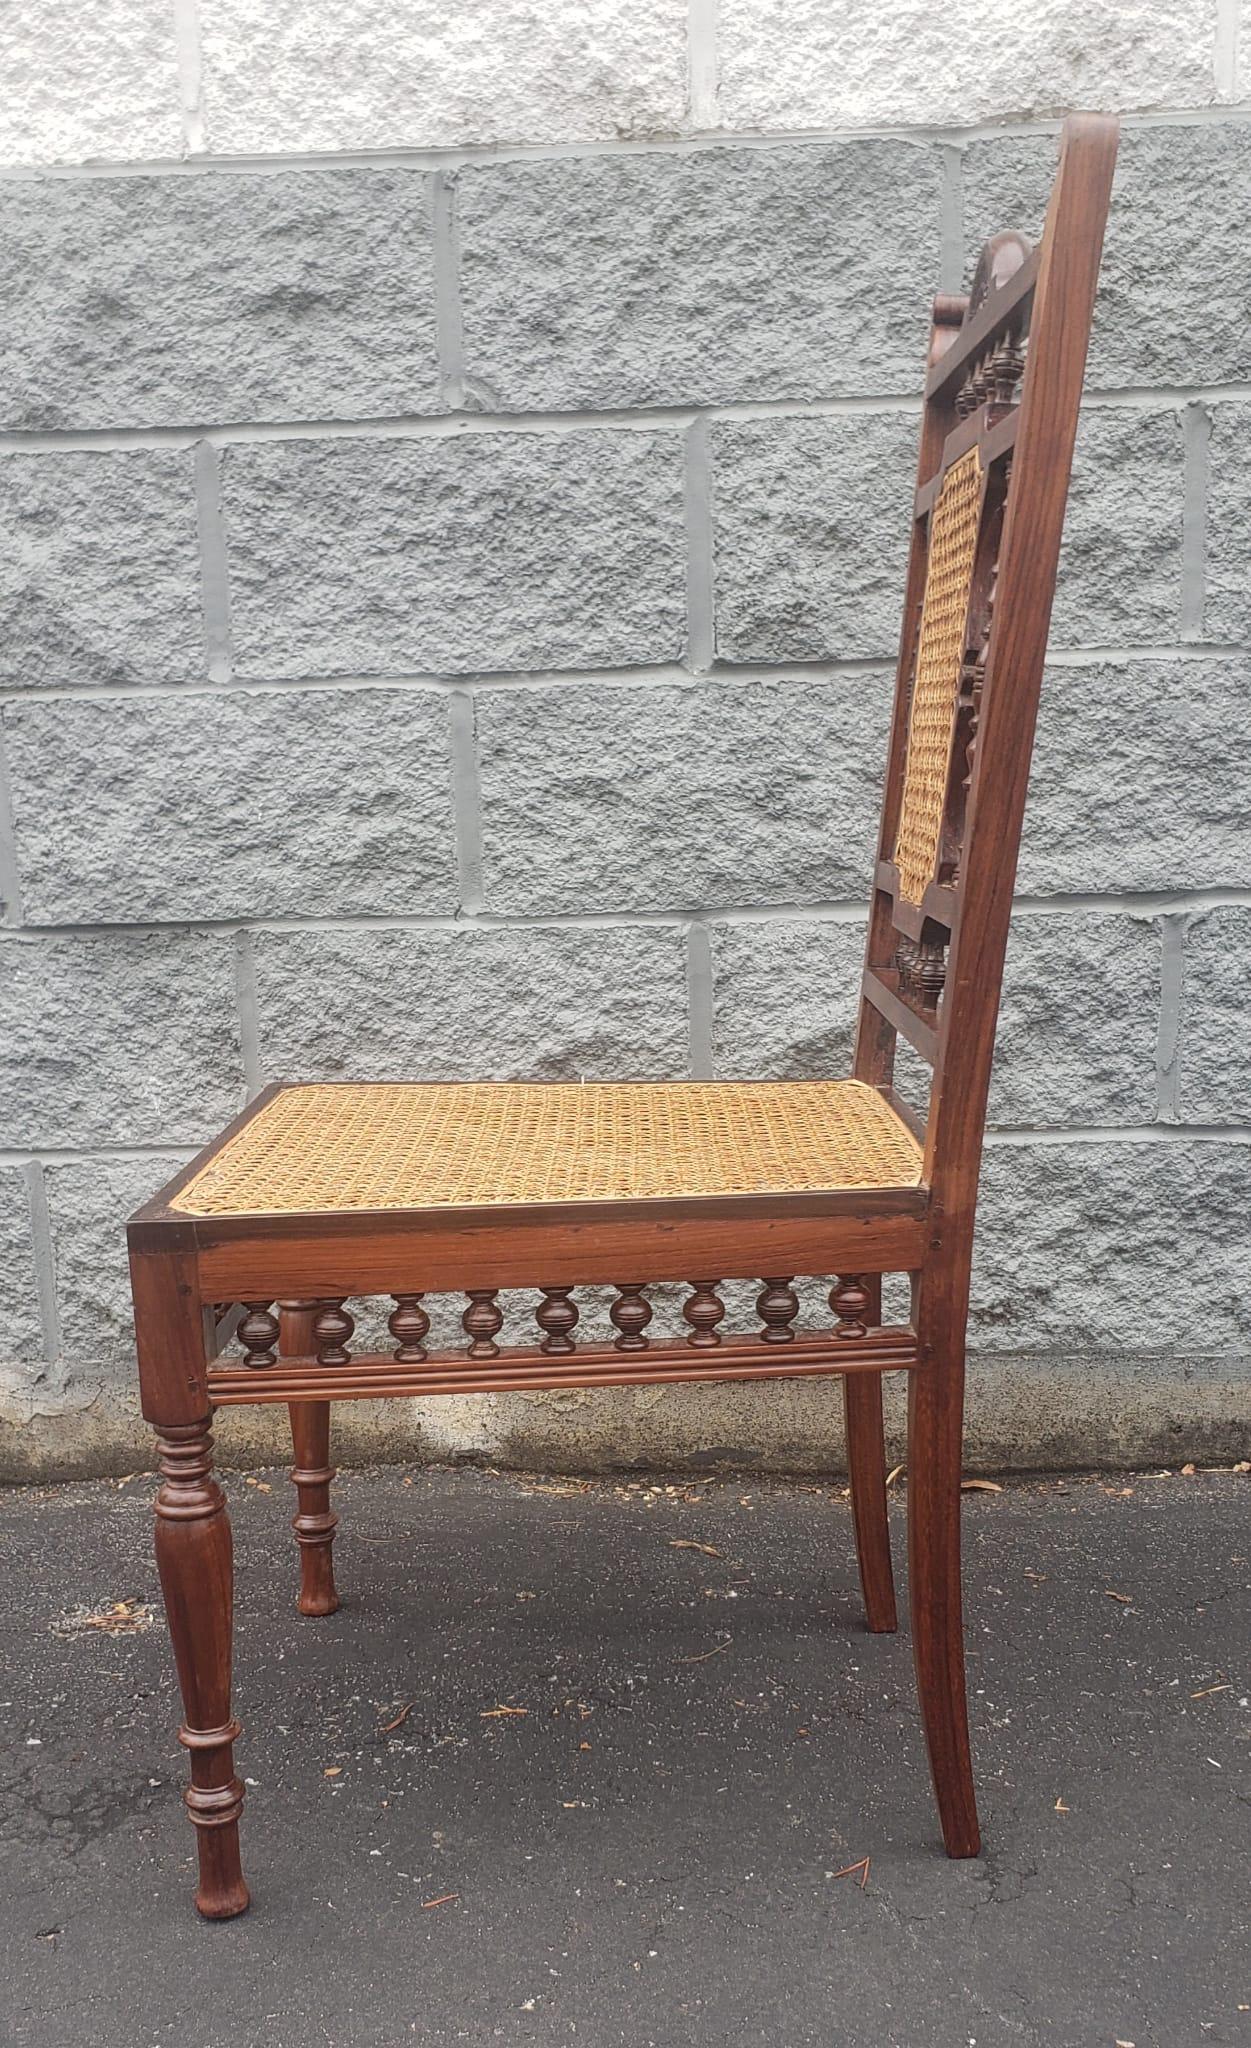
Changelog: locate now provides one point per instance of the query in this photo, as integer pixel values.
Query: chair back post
(1029, 553)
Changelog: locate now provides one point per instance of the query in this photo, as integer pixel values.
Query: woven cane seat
(402, 1146)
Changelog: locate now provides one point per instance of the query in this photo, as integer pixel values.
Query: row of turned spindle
(994, 377)
(557, 1316)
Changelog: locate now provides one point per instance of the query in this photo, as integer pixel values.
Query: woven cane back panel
(411, 1147)
(954, 525)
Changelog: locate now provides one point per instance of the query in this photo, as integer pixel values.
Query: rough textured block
(1227, 609)
(489, 552)
(795, 272)
(165, 301)
(118, 1041)
(1120, 569)
(1077, 1029)
(548, 1005)
(610, 797)
(365, 74)
(803, 64)
(301, 802)
(21, 1333)
(784, 999)
(1078, 1021)
(1135, 782)
(1084, 1247)
(1172, 285)
(811, 531)
(99, 568)
(1215, 1044)
(89, 1201)
(88, 83)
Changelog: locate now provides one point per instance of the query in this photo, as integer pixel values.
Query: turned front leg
(194, 1555)
(312, 1473)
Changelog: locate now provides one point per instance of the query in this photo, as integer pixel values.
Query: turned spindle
(332, 1327)
(972, 683)
(777, 1305)
(258, 1334)
(703, 1310)
(557, 1317)
(930, 971)
(1007, 364)
(850, 1299)
(480, 1322)
(631, 1312)
(409, 1325)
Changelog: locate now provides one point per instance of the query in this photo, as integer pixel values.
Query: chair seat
(347, 1146)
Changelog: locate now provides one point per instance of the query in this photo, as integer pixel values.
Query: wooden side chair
(317, 1194)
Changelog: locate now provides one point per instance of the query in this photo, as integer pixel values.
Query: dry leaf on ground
(119, 1618)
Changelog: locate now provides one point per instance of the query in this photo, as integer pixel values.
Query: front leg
(194, 1555)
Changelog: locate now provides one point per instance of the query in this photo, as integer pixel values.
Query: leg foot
(935, 1414)
(866, 1466)
(312, 1472)
(195, 1558)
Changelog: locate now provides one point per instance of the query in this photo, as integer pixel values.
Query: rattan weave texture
(398, 1146)
(954, 525)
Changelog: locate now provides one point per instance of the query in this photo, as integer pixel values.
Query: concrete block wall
(453, 493)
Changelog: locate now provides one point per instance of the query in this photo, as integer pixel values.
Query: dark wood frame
(932, 973)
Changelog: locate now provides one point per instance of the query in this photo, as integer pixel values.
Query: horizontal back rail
(881, 988)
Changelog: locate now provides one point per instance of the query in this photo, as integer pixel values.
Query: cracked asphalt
(645, 1848)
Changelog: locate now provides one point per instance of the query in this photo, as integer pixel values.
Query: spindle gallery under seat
(319, 1195)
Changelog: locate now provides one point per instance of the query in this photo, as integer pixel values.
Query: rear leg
(866, 1466)
(312, 1472)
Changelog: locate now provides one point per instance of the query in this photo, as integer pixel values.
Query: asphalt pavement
(615, 1764)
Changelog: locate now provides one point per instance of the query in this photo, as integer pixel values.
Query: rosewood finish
(252, 1301)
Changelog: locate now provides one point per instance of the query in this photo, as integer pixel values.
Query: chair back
(1002, 391)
